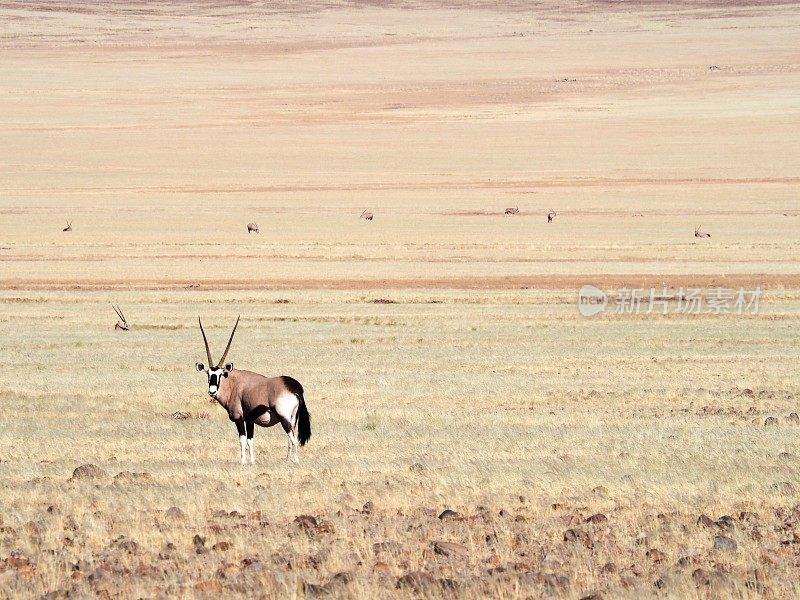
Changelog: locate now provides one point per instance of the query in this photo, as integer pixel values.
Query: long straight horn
(228, 347)
(121, 315)
(205, 340)
(116, 310)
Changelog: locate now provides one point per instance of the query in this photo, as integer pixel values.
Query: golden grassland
(445, 363)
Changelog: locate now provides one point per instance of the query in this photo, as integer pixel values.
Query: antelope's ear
(228, 367)
(200, 366)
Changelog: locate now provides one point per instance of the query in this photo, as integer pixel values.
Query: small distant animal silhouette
(366, 215)
(122, 324)
(252, 227)
(701, 234)
(511, 212)
(550, 216)
(68, 227)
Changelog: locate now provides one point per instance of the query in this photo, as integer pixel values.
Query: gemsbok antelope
(510, 212)
(68, 227)
(122, 324)
(252, 399)
(366, 215)
(701, 234)
(550, 216)
(252, 228)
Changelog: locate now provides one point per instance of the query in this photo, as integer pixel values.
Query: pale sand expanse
(161, 131)
(434, 380)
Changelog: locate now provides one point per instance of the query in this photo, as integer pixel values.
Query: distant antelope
(122, 324)
(550, 216)
(366, 215)
(252, 227)
(252, 399)
(511, 212)
(701, 234)
(68, 227)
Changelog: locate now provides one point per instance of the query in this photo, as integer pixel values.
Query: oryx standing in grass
(252, 399)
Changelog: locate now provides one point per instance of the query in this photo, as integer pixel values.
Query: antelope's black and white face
(215, 377)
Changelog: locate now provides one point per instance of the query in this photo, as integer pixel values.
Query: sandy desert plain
(445, 363)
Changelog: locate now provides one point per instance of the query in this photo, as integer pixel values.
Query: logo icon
(591, 300)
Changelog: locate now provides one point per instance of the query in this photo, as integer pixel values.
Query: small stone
(725, 522)
(448, 514)
(340, 579)
(221, 546)
(306, 522)
(600, 490)
(450, 549)
(88, 471)
(381, 568)
(417, 581)
(211, 586)
(417, 468)
(609, 567)
(701, 577)
(368, 507)
(198, 541)
(597, 518)
(175, 514)
(770, 421)
(592, 597)
(793, 418)
(724, 543)
(312, 590)
(656, 555)
(578, 535)
(706, 521)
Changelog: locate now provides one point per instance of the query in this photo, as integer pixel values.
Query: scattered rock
(88, 471)
(656, 555)
(706, 521)
(368, 507)
(701, 577)
(592, 597)
(417, 468)
(222, 546)
(381, 568)
(417, 581)
(306, 522)
(175, 514)
(199, 542)
(770, 421)
(724, 543)
(793, 418)
(725, 522)
(600, 490)
(211, 586)
(312, 590)
(578, 535)
(450, 549)
(448, 514)
(597, 518)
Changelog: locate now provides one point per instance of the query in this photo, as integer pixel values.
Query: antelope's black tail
(303, 418)
(303, 422)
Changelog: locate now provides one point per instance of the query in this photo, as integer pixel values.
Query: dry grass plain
(445, 363)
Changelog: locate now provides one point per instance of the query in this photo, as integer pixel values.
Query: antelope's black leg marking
(251, 426)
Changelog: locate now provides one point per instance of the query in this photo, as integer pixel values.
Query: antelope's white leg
(243, 444)
(293, 446)
(252, 451)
